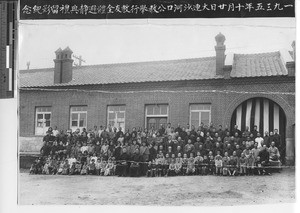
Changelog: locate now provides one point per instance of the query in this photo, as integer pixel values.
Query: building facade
(227, 89)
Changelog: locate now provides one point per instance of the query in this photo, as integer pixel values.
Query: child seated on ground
(60, 167)
(78, 166)
(33, 169)
(232, 166)
(218, 163)
(109, 170)
(92, 168)
(66, 168)
(198, 163)
(250, 163)
(71, 160)
(258, 167)
(84, 169)
(98, 166)
(191, 165)
(46, 168)
(72, 169)
(53, 166)
(159, 165)
(149, 169)
(178, 164)
(184, 164)
(242, 164)
(102, 166)
(154, 168)
(39, 166)
(211, 165)
(205, 165)
(166, 164)
(171, 170)
(114, 162)
(225, 161)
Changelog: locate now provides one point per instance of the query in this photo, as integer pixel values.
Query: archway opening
(266, 114)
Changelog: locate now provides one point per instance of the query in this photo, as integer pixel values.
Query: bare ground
(166, 191)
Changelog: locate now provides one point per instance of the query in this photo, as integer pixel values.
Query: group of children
(73, 166)
(206, 165)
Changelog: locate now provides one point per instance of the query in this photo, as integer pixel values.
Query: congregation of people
(166, 151)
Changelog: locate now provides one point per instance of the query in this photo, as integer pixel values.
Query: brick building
(227, 89)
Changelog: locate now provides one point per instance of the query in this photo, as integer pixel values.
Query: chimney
(290, 65)
(294, 50)
(287, 60)
(63, 66)
(220, 53)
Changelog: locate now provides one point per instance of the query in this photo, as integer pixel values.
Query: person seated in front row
(258, 167)
(242, 164)
(218, 163)
(184, 164)
(171, 170)
(109, 170)
(178, 164)
(225, 162)
(211, 165)
(198, 163)
(205, 165)
(84, 169)
(265, 160)
(274, 157)
(149, 169)
(66, 168)
(250, 163)
(191, 165)
(232, 166)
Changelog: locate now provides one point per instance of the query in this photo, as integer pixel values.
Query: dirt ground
(187, 190)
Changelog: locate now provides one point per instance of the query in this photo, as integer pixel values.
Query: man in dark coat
(152, 152)
(264, 157)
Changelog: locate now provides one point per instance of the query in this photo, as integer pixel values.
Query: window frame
(42, 112)
(156, 115)
(73, 128)
(199, 111)
(116, 113)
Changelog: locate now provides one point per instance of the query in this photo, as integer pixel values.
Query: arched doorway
(266, 114)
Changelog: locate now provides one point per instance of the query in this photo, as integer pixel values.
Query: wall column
(290, 144)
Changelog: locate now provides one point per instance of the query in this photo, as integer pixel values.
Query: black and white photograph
(159, 105)
(193, 112)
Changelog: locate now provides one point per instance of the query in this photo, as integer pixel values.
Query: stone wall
(30, 145)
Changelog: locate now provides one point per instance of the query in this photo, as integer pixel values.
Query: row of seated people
(249, 161)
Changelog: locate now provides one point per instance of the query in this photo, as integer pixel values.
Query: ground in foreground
(187, 190)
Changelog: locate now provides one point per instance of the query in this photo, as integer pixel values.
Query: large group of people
(166, 151)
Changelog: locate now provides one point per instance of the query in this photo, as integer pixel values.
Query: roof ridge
(152, 61)
(133, 62)
(37, 69)
(256, 54)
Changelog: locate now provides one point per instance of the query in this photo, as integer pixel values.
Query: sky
(119, 41)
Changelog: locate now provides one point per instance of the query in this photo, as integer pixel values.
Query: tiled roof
(156, 71)
(244, 65)
(256, 65)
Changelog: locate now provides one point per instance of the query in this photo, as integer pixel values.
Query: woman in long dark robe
(134, 170)
(122, 163)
